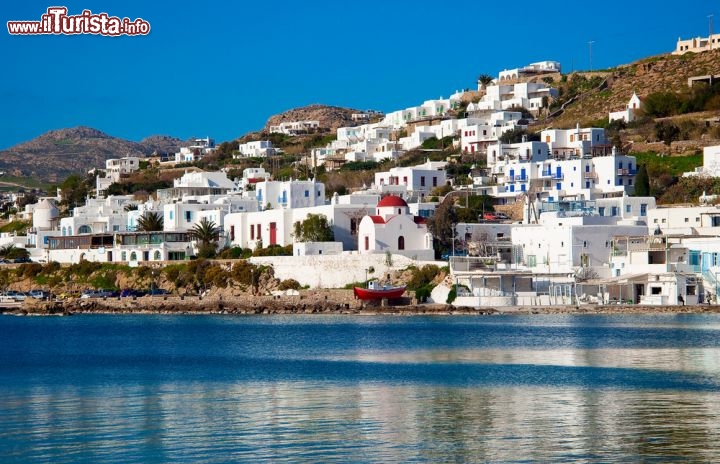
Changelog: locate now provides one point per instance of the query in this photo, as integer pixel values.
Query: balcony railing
(558, 176)
(590, 175)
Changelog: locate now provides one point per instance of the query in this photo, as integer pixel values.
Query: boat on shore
(377, 291)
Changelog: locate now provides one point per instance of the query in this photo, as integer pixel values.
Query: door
(273, 233)
(639, 292)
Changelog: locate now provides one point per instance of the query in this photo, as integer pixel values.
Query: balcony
(546, 174)
(558, 176)
(623, 172)
(590, 175)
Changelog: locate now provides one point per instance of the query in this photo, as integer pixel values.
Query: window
(687, 220)
(601, 211)
(133, 256)
(628, 208)
(434, 181)
(643, 210)
(170, 215)
(307, 193)
(157, 256)
(401, 243)
(259, 232)
(587, 184)
(232, 233)
(422, 181)
(367, 242)
(123, 256)
(252, 232)
(188, 216)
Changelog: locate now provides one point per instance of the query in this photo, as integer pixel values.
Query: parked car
(41, 294)
(16, 295)
(490, 216)
(22, 260)
(157, 292)
(130, 292)
(99, 293)
(502, 216)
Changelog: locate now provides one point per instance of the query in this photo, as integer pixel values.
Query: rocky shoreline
(308, 302)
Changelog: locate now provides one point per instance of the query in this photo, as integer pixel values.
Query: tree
(442, 224)
(150, 221)
(642, 182)
(516, 136)
(13, 252)
(667, 132)
(207, 233)
(315, 228)
(74, 190)
(485, 79)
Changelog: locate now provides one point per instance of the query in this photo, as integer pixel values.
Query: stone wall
(335, 271)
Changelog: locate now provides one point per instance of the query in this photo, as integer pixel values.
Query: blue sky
(220, 69)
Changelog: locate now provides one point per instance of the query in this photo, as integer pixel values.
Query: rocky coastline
(307, 302)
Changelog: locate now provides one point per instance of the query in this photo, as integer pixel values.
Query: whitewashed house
(98, 216)
(685, 220)
(711, 163)
(411, 181)
(629, 114)
(394, 229)
(289, 194)
(259, 148)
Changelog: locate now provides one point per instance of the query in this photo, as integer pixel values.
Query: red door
(273, 233)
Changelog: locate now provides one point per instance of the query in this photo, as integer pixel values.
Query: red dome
(391, 200)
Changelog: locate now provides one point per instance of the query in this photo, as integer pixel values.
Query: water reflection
(363, 422)
(702, 360)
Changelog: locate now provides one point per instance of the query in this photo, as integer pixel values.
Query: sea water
(214, 389)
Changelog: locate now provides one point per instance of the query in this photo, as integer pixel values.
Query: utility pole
(710, 40)
(590, 49)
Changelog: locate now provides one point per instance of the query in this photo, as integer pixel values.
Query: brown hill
(330, 117)
(662, 73)
(55, 155)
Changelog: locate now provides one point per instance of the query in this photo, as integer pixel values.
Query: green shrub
(289, 284)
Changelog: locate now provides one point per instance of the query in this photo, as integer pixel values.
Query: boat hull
(378, 294)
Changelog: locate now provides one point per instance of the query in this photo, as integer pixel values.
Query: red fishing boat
(376, 291)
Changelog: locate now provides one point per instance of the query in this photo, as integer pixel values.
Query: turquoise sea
(216, 389)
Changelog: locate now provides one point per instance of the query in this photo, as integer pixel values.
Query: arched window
(401, 243)
(84, 229)
(64, 231)
(157, 256)
(69, 230)
(133, 256)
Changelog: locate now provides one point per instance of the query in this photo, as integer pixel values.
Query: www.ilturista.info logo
(56, 21)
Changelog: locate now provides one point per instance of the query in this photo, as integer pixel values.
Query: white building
(104, 215)
(629, 113)
(697, 44)
(529, 95)
(711, 163)
(412, 181)
(117, 167)
(275, 226)
(541, 67)
(478, 134)
(259, 148)
(393, 229)
(575, 163)
(296, 127)
(289, 194)
(685, 220)
(252, 176)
